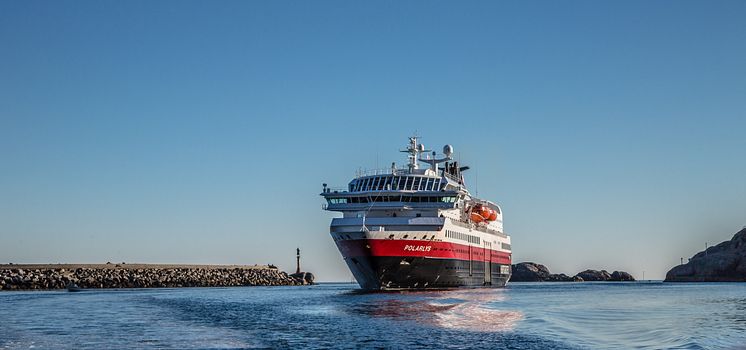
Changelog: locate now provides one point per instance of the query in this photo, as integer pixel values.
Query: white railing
(337, 189)
(382, 171)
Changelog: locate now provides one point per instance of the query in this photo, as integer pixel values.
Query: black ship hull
(377, 273)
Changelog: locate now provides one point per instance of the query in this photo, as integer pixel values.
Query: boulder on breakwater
(29, 277)
(303, 277)
(725, 262)
(533, 272)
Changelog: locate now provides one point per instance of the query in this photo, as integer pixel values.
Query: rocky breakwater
(30, 277)
(725, 262)
(533, 272)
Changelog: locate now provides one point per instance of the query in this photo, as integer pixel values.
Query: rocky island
(51, 276)
(533, 272)
(725, 262)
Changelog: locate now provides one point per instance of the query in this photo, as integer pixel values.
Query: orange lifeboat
(493, 215)
(476, 216)
(486, 212)
(479, 213)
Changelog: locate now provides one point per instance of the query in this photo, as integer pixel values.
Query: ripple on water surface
(522, 316)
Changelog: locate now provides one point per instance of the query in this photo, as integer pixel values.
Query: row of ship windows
(463, 237)
(413, 237)
(397, 183)
(405, 199)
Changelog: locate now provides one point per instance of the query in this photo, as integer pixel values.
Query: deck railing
(382, 171)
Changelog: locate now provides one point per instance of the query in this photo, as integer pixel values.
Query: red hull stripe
(428, 249)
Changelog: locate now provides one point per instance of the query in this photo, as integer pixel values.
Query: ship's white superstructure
(419, 227)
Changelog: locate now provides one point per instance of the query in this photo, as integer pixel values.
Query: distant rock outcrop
(725, 262)
(621, 276)
(529, 272)
(594, 275)
(533, 272)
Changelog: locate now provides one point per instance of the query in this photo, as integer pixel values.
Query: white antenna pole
(476, 177)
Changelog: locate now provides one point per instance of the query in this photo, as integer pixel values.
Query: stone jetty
(533, 272)
(725, 262)
(37, 276)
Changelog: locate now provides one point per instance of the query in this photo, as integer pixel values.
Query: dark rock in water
(533, 272)
(529, 272)
(725, 262)
(594, 275)
(559, 277)
(621, 276)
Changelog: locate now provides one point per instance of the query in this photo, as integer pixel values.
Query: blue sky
(200, 132)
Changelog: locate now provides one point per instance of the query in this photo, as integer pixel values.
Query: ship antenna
(414, 153)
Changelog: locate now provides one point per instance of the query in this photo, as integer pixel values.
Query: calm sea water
(522, 316)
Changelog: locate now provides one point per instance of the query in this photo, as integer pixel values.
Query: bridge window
(337, 200)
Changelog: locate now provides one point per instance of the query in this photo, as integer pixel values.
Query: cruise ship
(419, 227)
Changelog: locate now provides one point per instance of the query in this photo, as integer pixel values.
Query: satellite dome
(448, 150)
(421, 147)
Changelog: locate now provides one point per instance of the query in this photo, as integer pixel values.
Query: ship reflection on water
(468, 309)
